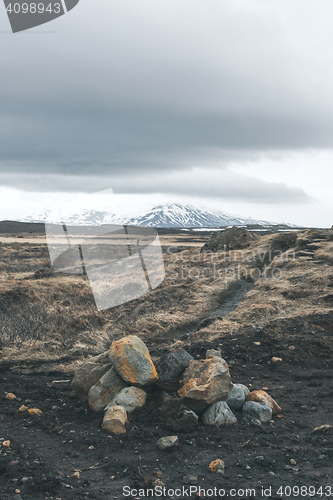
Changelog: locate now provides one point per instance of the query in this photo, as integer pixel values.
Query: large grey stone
(262, 397)
(236, 397)
(131, 358)
(255, 410)
(129, 398)
(89, 373)
(170, 367)
(245, 389)
(107, 387)
(219, 414)
(204, 382)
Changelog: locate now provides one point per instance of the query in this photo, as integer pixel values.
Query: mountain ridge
(170, 215)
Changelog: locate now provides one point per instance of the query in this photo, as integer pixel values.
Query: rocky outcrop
(107, 387)
(170, 367)
(233, 238)
(204, 382)
(131, 359)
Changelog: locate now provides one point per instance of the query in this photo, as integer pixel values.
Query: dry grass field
(290, 285)
(274, 298)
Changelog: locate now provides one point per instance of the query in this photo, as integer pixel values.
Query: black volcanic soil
(46, 450)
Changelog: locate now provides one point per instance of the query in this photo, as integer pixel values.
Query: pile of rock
(116, 382)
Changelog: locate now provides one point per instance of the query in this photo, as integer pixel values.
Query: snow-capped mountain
(170, 215)
(176, 215)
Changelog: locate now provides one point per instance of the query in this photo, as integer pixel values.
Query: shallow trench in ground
(232, 297)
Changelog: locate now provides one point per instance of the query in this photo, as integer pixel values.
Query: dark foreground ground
(46, 450)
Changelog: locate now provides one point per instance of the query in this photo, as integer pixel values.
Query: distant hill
(8, 226)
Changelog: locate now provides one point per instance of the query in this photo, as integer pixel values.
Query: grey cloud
(209, 183)
(142, 88)
(137, 140)
(215, 184)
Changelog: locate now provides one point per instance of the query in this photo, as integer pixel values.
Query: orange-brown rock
(131, 358)
(217, 466)
(263, 397)
(107, 387)
(34, 411)
(204, 382)
(89, 373)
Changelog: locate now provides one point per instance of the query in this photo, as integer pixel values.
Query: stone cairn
(115, 382)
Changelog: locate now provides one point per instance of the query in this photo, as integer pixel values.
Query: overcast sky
(226, 103)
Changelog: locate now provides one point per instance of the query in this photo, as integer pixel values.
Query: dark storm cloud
(142, 91)
(136, 140)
